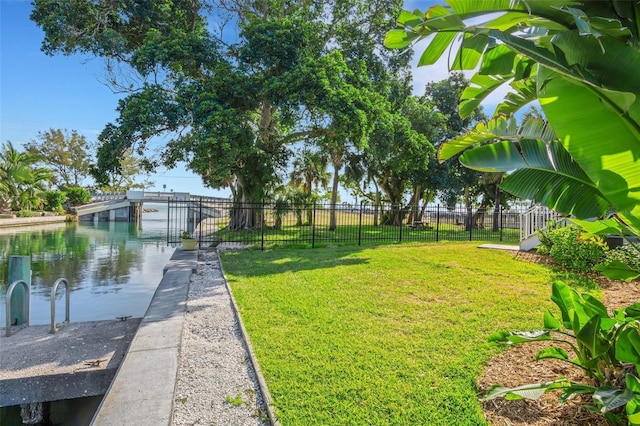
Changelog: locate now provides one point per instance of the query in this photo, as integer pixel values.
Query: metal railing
(27, 304)
(54, 326)
(215, 221)
(108, 196)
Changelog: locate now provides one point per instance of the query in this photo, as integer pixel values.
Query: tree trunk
(415, 202)
(246, 213)
(334, 196)
(376, 206)
(496, 206)
(310, 215)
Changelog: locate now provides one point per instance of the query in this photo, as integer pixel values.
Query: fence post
(360, 225)
(169, 222)
(470, 222)
(401, 219)
(313, 227)
(438, 223)
(264, 217)
(199, 223)
(501, 223)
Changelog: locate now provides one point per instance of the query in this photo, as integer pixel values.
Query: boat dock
(80, 360)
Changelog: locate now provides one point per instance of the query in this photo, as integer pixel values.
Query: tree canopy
(580, 62)
(231, 105)
(67, 154)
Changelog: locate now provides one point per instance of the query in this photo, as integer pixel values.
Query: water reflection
(112, 268)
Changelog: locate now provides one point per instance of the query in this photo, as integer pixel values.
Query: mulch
(516, 367)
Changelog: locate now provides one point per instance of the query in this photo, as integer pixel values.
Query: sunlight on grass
(394, 334)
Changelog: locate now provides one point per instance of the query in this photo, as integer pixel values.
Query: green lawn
(386, 335)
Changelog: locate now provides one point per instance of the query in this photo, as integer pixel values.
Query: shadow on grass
(261, 263)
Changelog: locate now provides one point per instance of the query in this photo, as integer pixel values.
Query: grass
(386, 335)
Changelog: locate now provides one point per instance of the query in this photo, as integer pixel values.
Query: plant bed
(517, 366)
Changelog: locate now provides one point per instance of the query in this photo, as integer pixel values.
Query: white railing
(95, 198)
(537, 217)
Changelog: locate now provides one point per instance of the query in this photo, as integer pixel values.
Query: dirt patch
(516, 367)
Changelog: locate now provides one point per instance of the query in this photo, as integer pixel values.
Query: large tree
(231, 106)
(399, 148)
(128, 177)
(449, 179)
(67, 154)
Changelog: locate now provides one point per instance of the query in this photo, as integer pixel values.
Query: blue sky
(39, 92)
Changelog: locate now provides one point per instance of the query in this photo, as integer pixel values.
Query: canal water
(113, 270)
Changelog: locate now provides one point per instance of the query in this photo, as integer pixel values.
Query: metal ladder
(54, 289)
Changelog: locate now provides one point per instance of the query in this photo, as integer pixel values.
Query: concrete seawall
(31, 221)
(142, 392)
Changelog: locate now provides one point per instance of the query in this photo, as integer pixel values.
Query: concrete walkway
(143, 391)
(506, 247)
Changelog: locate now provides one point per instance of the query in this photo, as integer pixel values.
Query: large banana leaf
(586, 77)
(543, 173)
(542, 169)
(598, 129)
(500, 127)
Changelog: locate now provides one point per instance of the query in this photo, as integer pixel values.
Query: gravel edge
(217, 383)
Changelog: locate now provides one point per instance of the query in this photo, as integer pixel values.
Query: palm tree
(20, 181)
(309, 172)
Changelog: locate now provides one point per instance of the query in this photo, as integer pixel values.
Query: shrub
(24, 213)
(77, 195)
(54, 200)
(575, 253)
(544, 235)
(627, 255)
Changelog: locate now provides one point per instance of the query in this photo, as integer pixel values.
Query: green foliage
(77, 195)
(627, 254)
(24, 213)
(231, 111)
(21, 181)
(67, 154)
(575, 252)
(604, 346)
(280, 208)
(54, 200)
(614, 269)
(578, 66)
(235, 401)
(546, 242)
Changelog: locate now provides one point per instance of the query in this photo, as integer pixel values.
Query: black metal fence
(215, 221)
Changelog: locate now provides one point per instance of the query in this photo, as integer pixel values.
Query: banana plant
(543, 170)
(580, 61)
(604, 347)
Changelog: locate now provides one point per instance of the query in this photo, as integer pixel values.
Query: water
(113, 268)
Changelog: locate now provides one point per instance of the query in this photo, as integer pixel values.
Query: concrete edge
(180, 262)
(32, 221)
(266, 396)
